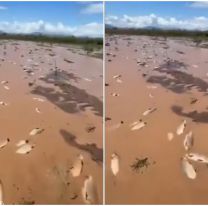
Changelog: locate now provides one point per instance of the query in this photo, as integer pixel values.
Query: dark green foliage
(196, 35)
(91, 42)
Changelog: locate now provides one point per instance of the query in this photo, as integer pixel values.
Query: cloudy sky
(182, 15)
(66, 18)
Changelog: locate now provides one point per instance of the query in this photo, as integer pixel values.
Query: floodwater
(56, 88)
(169, 76)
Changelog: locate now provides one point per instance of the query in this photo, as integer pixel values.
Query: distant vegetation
(89, 43)
(196, 35)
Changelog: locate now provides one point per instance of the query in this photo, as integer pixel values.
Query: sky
(174, 15)
(62, 18)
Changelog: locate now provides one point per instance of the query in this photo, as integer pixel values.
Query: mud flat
(51, 107)
(156, 120)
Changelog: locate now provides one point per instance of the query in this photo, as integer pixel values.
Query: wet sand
(169, 76)
(70, 83)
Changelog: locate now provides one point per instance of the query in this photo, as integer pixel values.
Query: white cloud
(200, 4)
(90, 30)
(3, 8)
(93, 9)
(198, 23)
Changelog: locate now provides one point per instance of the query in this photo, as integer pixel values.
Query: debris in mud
(193, 100)
(90, 129)
(77, 166)
(30, 84)
(188, 169)
(114, 164)
(3, 143)
(140, 164)
(188, 141)
(89, 192)
(107, 119)
(36, 131)
(180, 52)
(138, 125)
(73, 196)
(181, 127)
(68, 61)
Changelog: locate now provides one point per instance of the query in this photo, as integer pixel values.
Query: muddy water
(72, 94)
(173, 75)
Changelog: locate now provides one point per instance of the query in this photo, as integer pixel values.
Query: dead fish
(116, 126)
(197, 157)
(6, 87)
(89, 192)
(22, 142)
(195, 66)
(181, 128)
(152, 87)
(88, 80)
(151, 96)
(148, 111)
(4, 82)
(37, 110)
(3, 103)
(117, 76)
(25, 149)
(3, 143)
(170, 136)
(188, 169)
(39, 99)
(77, 166)
(36, 131)
(1, 193)
(119, 80)
(114, 164)
(137, 125)
(115, 94)
(188, 141)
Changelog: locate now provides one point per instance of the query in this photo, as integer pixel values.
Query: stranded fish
(137, 125)
(25, 149)
(181, 128)
(36, 131)
(197, 157)
(188, 169)
(114, 164)
(89, 192)
(3, 143)
(148, 111)
(188, 141)
(77, 166)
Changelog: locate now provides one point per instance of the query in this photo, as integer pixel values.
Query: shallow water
(168, 80)
(71, 104)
